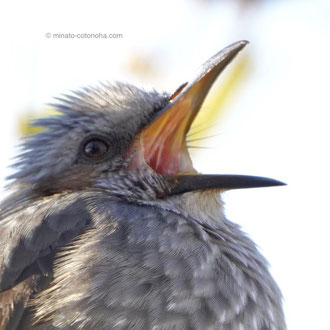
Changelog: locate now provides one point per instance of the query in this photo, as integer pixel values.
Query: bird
(109, 226)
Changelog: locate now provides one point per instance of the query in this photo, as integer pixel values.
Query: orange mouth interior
(162, 145)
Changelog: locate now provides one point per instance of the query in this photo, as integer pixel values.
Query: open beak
(162, 144)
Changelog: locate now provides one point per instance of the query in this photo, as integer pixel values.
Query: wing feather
(29, 239)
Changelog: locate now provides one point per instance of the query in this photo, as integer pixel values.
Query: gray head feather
(118, 111)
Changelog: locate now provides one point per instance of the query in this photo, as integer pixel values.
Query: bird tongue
(162, 144)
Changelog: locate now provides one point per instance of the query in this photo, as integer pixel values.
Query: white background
(277, 124)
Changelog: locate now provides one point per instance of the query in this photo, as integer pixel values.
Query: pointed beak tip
(279, 183)
(270, 183)
(236, 47)
(240, 44)
(244, 42)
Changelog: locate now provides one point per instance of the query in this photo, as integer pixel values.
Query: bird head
(120, 133)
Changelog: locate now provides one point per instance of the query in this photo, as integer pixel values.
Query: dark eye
(95, 148)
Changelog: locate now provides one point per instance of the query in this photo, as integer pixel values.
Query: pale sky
(277, 125)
